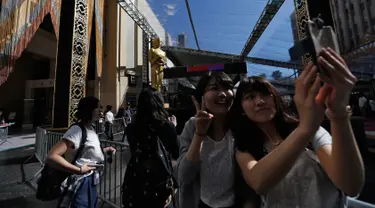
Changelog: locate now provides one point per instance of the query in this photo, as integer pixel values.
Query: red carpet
(370, 125)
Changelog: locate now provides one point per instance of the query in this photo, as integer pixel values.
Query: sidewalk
(18, 141)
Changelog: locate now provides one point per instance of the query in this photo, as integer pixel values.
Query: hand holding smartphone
(97, 165)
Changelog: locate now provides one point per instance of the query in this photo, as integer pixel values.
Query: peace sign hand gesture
(202, 118)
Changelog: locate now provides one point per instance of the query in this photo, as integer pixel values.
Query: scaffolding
(269, 12)
(235, 58)
(131, 9)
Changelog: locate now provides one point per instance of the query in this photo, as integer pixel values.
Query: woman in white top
(272, 146)
(206, 167)
(80, 189)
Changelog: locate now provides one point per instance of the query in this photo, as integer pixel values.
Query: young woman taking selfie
(273, 148)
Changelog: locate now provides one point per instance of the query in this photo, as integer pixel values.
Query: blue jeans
(87, 195)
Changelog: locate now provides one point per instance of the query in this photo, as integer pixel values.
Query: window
(132, 80)
(366, 26)
(362, 6)
(351, 44)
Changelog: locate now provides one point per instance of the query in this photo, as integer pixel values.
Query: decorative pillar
(145, 51)
(72, 56)
(304, 9)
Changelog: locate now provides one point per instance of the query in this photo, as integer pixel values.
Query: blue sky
(224, 27)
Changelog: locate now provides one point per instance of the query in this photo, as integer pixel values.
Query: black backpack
(152, 160)
(51, 179)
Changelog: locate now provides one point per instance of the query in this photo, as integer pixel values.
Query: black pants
(108, 130)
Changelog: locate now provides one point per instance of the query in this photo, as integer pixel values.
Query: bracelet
(331, 116)
(80, 169)
(201, 135)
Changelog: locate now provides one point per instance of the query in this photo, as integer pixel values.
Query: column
(71, 63)
(305, 9)
(108, 81)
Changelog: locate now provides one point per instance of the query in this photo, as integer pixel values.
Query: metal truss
(283, 64)
(132, 10)
(359, 52)
(264, 20)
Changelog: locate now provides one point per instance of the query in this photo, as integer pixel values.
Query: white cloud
(170, 9)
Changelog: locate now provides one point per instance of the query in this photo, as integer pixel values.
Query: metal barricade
(109, 189)
(3, 134)
(354, 203)
(118, 128)
(40, 140)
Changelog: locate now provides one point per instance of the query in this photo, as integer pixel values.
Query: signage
(210, 67)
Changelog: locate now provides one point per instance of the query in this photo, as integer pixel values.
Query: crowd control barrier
(109, 189)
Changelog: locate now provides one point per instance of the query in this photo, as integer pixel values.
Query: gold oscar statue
(157, 59)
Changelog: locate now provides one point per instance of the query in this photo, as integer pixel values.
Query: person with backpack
(153, 143)
(83, 157)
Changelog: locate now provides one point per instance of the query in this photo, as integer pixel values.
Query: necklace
(274, 144)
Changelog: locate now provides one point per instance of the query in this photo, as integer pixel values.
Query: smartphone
(321, 37)
(98, 165)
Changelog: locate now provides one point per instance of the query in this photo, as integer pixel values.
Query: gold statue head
(156, 43)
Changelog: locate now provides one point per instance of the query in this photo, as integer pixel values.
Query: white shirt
(362, 101)
(372, 104)
(91, 153)
(109, 117)
(217, 171)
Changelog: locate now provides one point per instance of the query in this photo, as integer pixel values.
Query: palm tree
(263, 75)
(276, 74)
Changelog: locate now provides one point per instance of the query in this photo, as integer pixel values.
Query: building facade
(293, 23)
(354, 20)
(182, 40)
(54, 52)
(354, 23)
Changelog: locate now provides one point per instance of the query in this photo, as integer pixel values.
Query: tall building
(182, 40)
(354, 20)
(293, 23)
(53, 53)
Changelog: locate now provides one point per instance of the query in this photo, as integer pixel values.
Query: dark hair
(109, 107)
(253, 139)
(220, 77)
(85, 108)
(150, 112)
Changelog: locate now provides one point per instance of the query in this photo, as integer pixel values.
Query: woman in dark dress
(144, 185)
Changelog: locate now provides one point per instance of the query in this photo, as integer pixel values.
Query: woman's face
(95, 114)
(259, 107)
(217, 99)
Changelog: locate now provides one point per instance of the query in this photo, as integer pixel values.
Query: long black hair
(150, 112)
(248, 136)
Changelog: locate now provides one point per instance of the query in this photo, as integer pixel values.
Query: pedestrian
(152, 140)
(208, 174)
(109, 118)
(79, 189)
(294, 163)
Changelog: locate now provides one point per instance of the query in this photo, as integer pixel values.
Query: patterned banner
(16, 33)
(79, 56)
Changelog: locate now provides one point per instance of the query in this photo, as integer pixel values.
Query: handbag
(51, 178)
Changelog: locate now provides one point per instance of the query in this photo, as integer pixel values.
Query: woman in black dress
(144, 184)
